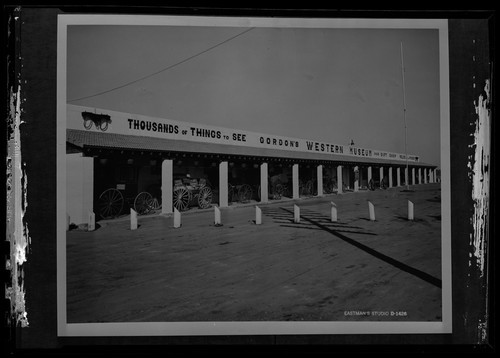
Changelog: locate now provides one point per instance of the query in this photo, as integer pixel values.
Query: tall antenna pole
(407, 173)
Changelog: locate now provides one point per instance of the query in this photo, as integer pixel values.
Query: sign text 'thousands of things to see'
(124, 123)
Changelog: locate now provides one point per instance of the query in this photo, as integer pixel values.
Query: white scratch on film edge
(17, 230)
(480, 189)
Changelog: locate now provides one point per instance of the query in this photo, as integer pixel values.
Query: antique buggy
(240, 192)
(101, 121)
(186, 192)
(191, 192)
(382, 184)
(277, 187)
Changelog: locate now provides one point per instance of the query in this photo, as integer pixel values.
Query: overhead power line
(163, 69)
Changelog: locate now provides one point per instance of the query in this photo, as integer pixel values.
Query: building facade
(116, 161)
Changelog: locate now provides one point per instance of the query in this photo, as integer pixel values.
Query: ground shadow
(404, 218)
(83, 227)
(435, 217)
(402, 266)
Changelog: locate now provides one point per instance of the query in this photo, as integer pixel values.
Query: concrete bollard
(217, 220)
(177, 219)
(258, 216)
(371, 209)
(296, 214)
(133, 219)
(410, 211)
(333, 212)
(91, 221)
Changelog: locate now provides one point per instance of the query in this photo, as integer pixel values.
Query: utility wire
(164, 69)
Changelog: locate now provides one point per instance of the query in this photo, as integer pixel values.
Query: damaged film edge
(479, 172)
(17, 231)
(16, 195)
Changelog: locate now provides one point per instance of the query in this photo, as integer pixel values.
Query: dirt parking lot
(315, 270)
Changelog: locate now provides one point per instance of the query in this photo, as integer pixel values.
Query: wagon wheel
(103, 125)
(278, 191)
(87, 123)
(383, 183)
(230, 193)
(371, 184)
(245, 193)
(143, 203)
(205, 197)
(110, 203)
(155, 204)
(181, 199)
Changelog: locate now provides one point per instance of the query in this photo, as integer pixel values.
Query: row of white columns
(167, 180)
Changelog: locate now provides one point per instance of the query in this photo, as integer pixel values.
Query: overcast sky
(329, 85)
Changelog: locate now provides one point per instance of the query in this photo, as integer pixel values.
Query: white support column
(433, 178)
(319, 179)
(295, 181)
(167, 186)
(420, 175)
(369, 174)
(398, 176)
(425, 175)
(390, 177)
(223, 184)
(356, 178)
(339, 179)
(412, 176)
(263, 183)
(381, 174)
(406, 177)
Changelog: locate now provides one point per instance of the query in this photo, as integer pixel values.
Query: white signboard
(101, 120)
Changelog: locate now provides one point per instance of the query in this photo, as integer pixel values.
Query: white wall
(79, 187)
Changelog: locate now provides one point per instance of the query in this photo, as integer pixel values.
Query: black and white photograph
(263, 179)
(235, 176)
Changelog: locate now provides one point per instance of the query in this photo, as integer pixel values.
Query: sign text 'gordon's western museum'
(84, 118)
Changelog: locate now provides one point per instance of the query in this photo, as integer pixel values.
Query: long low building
(116, 161)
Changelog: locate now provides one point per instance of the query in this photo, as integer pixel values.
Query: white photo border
(65, 329)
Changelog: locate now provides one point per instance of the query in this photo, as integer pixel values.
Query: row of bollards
(217, 217)
(258, 216)
(334, 216)
(371, 211)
